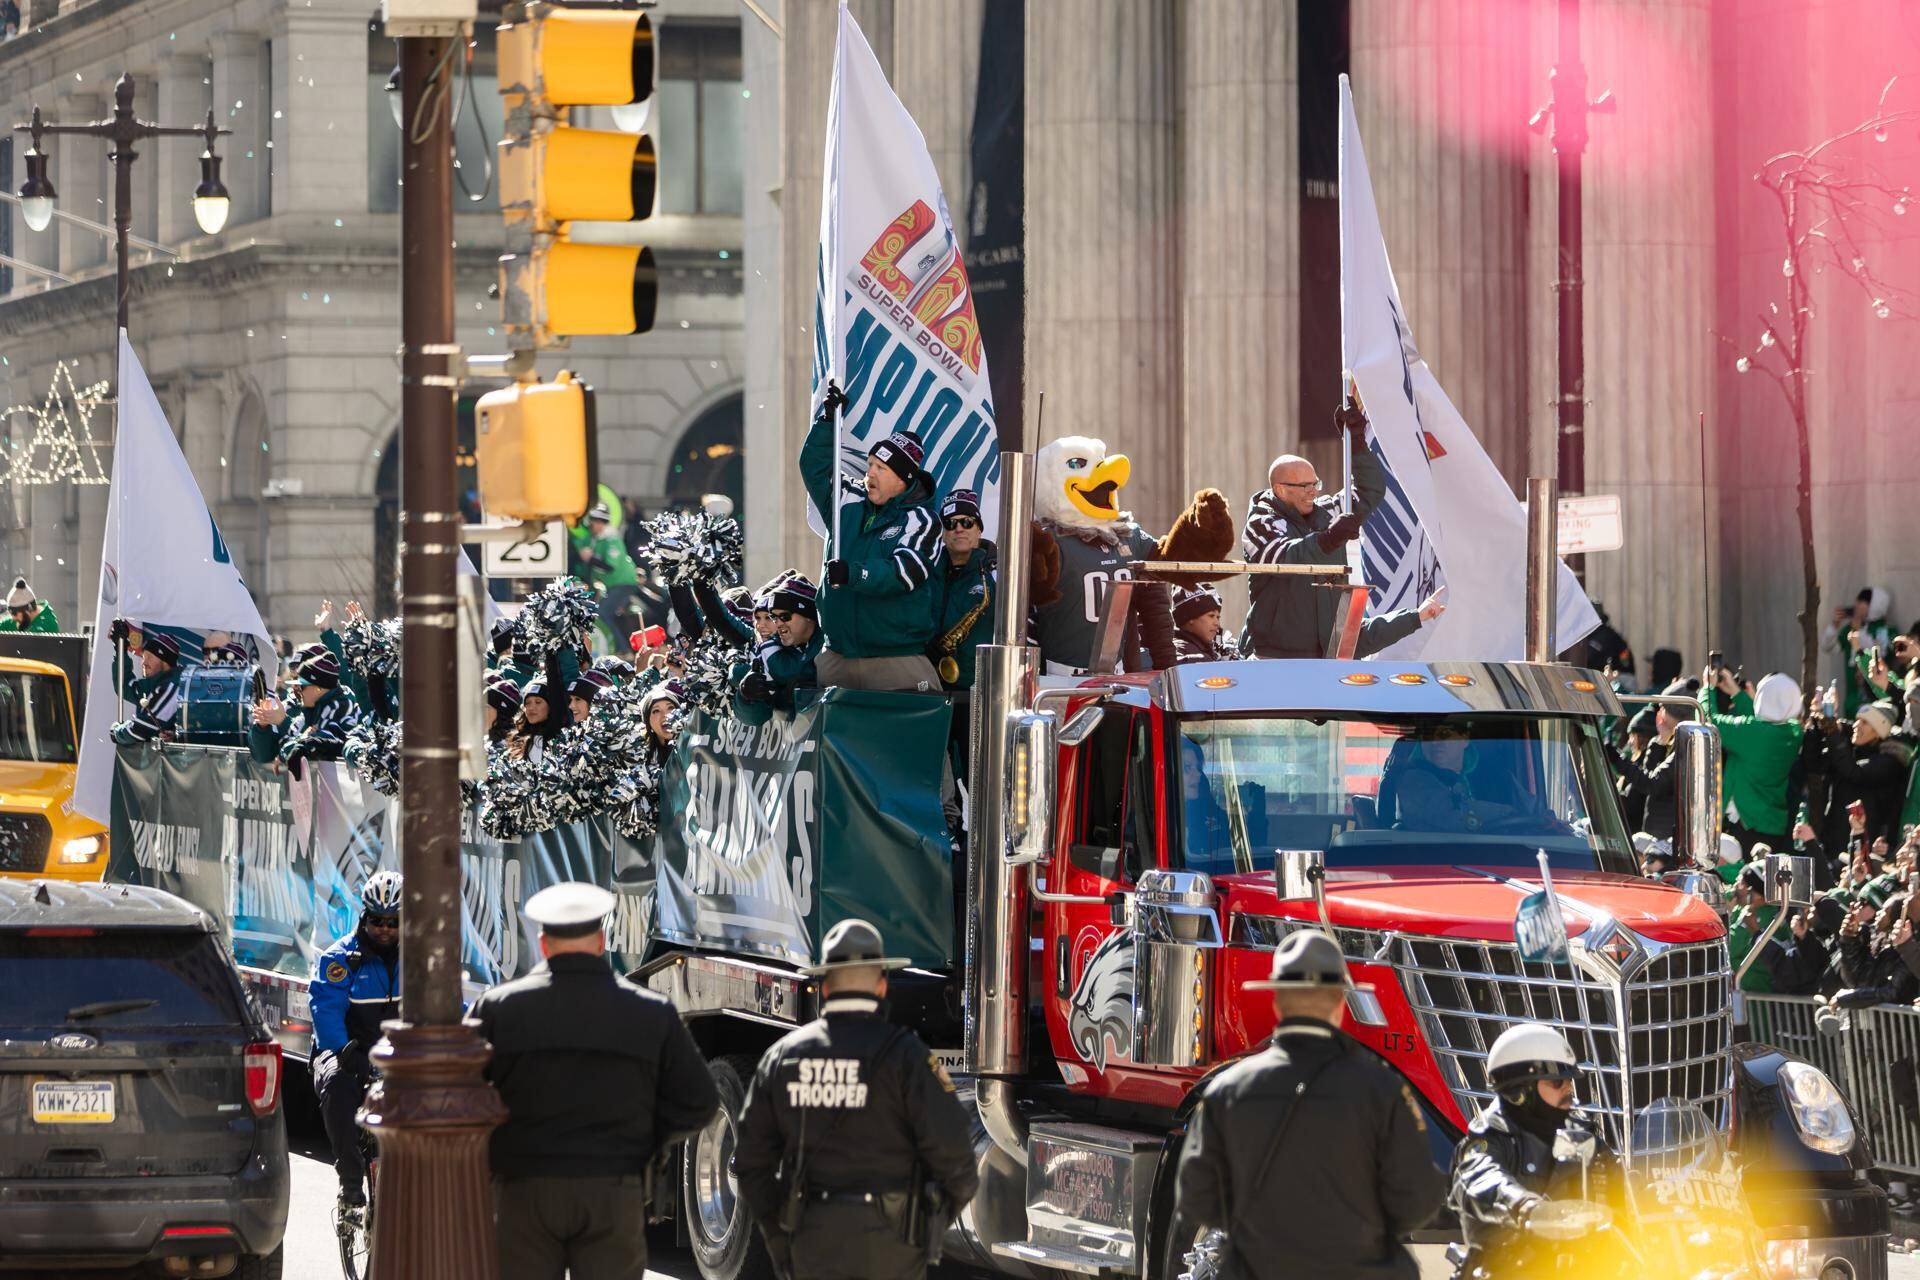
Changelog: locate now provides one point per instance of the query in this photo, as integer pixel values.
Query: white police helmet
(381, 893)
(1527, 1052)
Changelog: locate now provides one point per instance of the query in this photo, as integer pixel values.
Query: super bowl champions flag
(162, 562)
(1449, 517)
(894, 322)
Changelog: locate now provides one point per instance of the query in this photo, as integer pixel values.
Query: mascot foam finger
(1083, 541)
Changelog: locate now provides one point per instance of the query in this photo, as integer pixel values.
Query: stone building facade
(1181, 286)
(272, 345)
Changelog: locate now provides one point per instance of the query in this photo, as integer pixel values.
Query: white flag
(894, 322)
(1449, 517)
(162, 562)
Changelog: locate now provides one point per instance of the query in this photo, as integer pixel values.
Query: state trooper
(853, 1151)
(1309, 1150)
(1519, 1151)
(598, 1076)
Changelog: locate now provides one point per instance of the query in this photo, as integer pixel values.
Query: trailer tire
(719, 1229)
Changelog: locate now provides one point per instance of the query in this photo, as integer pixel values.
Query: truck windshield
(1487, 790)
(34, 720)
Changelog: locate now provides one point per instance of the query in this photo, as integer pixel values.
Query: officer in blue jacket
(355, 987)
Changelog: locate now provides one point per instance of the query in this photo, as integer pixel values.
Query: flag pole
(829, 311)
(1346, 365)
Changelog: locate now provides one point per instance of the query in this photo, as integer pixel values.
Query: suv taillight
(263, 1077)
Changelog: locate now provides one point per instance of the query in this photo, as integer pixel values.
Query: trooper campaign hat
(1308, 958)
(854, 944)
(570, 909)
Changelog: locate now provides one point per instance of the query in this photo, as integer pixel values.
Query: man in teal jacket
(1760, 739)
(876, 606)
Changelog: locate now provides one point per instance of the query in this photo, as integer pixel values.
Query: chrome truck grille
(1648, 1021)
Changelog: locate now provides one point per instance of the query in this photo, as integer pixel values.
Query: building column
(1239, 249)
(240, 104)
(80, 173)
(183, 96)
(320, 155)
(1443, 93)
(936, 68)
(1103, 237)
(1650, 287)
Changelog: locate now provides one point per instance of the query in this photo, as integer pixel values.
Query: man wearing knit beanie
(25, 612)
(318, 730)
(158, 690)
(787, 662)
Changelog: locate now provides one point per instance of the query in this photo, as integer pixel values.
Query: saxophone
(949, 666)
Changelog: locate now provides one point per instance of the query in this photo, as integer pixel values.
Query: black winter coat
(1874, 774)
(597, 1074)
(1500, 1171)
(1648, 784)
(1328, 1178)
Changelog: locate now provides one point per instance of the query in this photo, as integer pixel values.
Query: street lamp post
(122, 130)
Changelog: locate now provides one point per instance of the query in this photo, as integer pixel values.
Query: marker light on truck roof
(1217, 682)
(1361, 678)
(1456, 680)
(1581, 686)
(1408, 677)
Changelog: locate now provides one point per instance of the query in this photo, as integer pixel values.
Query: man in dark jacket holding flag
(876, 606)
(1292, 522)
(158, 689)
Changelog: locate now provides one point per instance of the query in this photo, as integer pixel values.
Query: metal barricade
(1872, 1053)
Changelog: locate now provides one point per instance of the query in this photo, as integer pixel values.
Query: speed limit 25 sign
(542, 557)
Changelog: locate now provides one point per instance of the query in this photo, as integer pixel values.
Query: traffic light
(552, 60)
(534, 447)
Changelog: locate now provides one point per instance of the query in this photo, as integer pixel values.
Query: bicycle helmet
(1528, 1052)
(381, 893)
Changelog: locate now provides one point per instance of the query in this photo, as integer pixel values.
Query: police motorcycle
(1670, 1205)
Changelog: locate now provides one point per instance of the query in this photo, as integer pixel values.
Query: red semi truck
(1140, 845)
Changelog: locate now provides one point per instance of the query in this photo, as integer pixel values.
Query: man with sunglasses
(26, 612)
(784, 663)
(355, 987)
(1295, 521)
(1509, 1162)
(963, 575)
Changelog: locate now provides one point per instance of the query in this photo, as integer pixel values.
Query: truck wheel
(725, 1245)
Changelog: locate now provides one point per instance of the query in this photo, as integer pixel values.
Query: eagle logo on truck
(1102, 1005)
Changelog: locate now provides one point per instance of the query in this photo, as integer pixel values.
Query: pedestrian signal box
(534, 449)
(554, 60)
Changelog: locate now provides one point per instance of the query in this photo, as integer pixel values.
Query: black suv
(140, 1113)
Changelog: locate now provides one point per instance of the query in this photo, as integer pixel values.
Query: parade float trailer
(1138, 847)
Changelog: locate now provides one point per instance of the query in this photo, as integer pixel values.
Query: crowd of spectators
(1830, 778)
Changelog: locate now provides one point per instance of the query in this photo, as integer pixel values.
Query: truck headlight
(1818, 1110)
(80, 849)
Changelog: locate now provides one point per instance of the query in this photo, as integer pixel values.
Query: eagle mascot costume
(1082, 541)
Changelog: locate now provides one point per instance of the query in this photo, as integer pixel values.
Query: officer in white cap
(853, 1151)
(1278, 1155)
(598, 1076)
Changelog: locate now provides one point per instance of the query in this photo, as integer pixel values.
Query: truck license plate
(73, 1102)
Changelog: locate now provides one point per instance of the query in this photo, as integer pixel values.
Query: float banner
(894, 319)
(782, 830)
(1449, 517)
(279, 863)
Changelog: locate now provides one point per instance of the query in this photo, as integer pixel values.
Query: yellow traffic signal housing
(553, 59)
(534, 444)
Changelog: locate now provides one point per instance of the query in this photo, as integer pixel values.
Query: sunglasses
(783, 615)
(1558, 1082)
(381, 922)
(962, 522)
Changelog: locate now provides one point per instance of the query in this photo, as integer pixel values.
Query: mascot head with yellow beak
(1077, 484)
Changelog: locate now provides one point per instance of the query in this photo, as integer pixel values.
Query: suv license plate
(73, 1102)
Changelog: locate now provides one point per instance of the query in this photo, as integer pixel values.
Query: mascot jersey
(1081, 529)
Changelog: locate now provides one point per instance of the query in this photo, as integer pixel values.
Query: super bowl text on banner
(895, 325)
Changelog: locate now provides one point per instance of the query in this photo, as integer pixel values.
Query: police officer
(1505, 1166)
(849, 1120)
(1310, 1150)
(598, 1076)
(355, 987)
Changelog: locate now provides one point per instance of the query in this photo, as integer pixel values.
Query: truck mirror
(1789, 880)
(1030, 787)
(1696, 838)
(1081, 724)
(1298, 873)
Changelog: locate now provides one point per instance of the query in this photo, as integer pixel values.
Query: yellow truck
(40, 837)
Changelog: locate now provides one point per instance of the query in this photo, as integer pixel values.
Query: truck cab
(40, 837)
